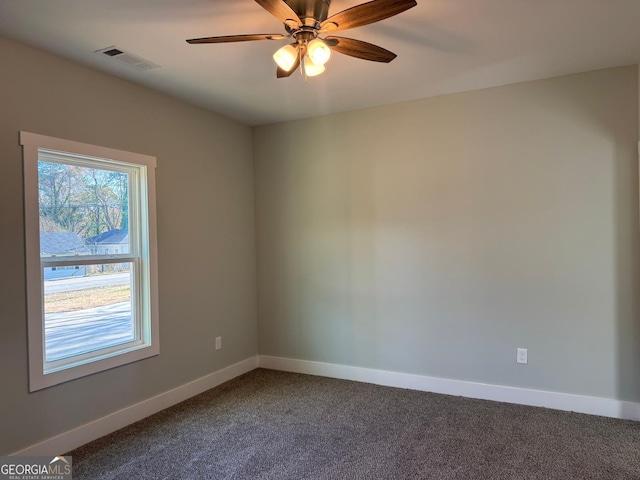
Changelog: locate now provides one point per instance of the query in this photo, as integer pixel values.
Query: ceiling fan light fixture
(312, 69)
(286, 57)
(318, 51)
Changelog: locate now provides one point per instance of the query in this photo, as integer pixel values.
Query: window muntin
(91, 250)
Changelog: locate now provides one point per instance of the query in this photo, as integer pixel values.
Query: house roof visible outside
(111, 237)
(62, 243)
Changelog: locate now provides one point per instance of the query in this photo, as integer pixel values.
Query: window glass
(88, 312)
(83, 210)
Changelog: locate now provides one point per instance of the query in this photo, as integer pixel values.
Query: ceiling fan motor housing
(311, 12)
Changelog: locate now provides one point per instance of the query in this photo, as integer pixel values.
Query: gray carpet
(276, 425)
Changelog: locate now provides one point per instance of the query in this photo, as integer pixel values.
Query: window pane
(88, 311)
(83, 211)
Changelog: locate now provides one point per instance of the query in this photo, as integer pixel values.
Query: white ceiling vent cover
(128, 59)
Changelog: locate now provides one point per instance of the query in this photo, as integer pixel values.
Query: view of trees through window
(85, 201)
(84, 211)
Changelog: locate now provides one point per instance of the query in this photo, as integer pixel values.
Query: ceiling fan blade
(237, 38)
(280, 73)
(282, 11)
(365, 14)
(360, 49)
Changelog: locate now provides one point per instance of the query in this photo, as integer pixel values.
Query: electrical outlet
(521, 355)
(218, 343)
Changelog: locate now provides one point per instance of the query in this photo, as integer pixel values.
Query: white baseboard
(88, 432)
(538, 398)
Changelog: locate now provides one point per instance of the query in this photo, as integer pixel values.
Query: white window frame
(143, 256)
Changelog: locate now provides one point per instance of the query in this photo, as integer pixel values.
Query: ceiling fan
(306, 20)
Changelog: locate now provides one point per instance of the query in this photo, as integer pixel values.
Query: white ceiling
(443, 46)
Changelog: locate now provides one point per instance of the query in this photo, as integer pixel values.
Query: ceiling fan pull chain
(303, 70)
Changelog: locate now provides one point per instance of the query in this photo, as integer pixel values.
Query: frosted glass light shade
(286, 57)
(318, 51)
(312, 69)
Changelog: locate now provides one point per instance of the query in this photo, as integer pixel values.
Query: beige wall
(206, 236)
(434, 237)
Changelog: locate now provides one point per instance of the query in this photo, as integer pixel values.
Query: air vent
(128, 59)
(113, 52)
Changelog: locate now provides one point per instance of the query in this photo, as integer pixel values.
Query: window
(88, 310)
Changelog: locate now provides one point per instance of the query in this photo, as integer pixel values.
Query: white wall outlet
(218, 343)
(521, 355)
